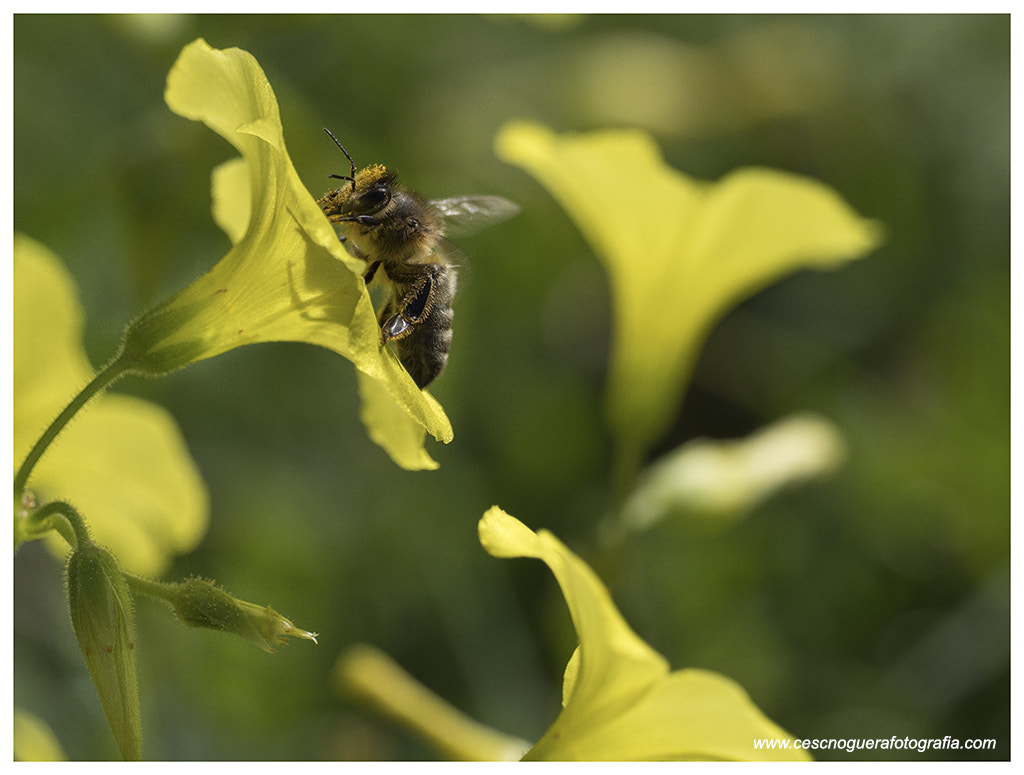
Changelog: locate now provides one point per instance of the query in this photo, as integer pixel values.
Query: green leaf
(620, 700)
(287, 278)
(679, 252)
(123, 461)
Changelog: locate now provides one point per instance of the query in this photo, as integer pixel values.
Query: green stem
(59, 516)
(112, 371)
(155, 589)
(626, 467)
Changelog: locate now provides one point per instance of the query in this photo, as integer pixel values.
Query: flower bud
(101, 614)
(201, 603)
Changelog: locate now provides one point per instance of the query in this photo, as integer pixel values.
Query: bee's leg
(362, 220)
(414, 306)
(351, 247)
(354, 251)
(371, 270)
(395, 327)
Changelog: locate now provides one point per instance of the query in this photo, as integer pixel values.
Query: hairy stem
(59, 516)
(111, 372)
(155, 589)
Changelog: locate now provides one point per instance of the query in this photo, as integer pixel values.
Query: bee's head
(370, 191)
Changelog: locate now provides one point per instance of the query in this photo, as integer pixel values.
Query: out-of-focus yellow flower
(123, 461)
(679, 253)
(34, 741)
(287, 278)
(370, 675)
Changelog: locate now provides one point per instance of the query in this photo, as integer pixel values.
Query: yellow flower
(620, 700)
(679, 252)
(287, 277)
(123, 461)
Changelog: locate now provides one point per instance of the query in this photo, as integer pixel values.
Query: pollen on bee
(370, 175)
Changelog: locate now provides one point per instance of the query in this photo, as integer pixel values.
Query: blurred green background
(873, 604)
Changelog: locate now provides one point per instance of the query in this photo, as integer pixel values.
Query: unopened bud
(101, 614)
(201, 603)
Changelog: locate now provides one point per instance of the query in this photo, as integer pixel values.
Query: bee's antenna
(342, 147)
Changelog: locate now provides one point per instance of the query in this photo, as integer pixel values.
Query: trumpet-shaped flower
(679, 252)
(287, 276)
(123, 461)
(620, 700)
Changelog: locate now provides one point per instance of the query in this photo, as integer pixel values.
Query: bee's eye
(375, 198)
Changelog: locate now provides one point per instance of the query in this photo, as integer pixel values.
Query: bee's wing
(466, 214)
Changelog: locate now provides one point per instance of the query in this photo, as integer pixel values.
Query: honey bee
(401, 236)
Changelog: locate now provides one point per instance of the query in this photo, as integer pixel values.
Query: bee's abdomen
(424, 352)
(422, 327)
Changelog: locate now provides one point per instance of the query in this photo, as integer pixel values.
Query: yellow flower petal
(620, 700)
(230, 188)
(392, 427)
(679, 251)
(287, 278)
(123, 461)
(687, 715)
(34, 741)
(612, 671)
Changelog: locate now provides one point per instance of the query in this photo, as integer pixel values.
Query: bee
(401, 236)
